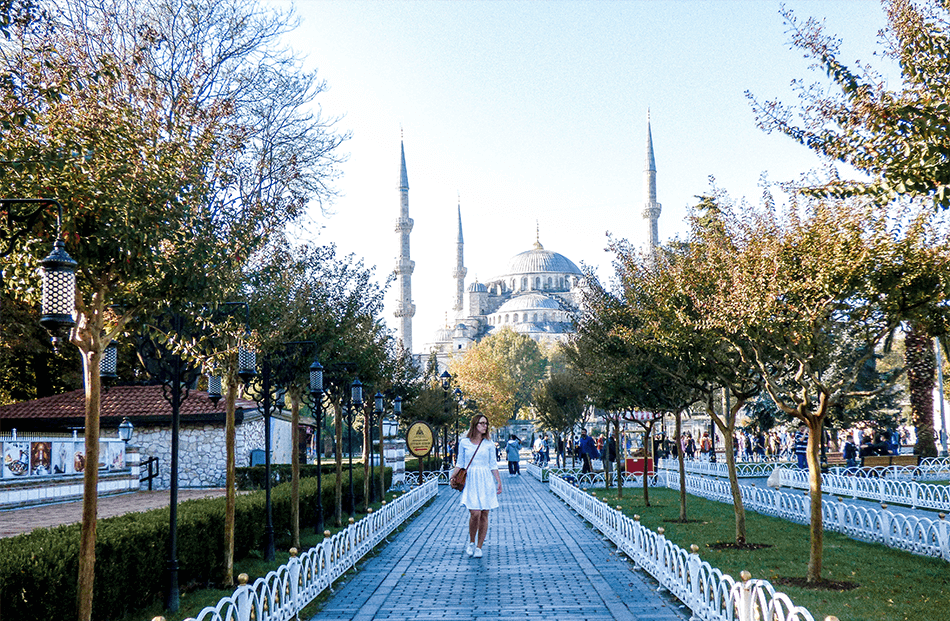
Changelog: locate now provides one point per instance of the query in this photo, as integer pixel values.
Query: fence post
(696, 601)
(293, 570)
(744, 600)
(943, 536)
(242, 598)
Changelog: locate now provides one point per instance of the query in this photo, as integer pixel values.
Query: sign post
(419, 442)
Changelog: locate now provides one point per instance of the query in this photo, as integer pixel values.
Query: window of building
(537, 283)
(524, 283)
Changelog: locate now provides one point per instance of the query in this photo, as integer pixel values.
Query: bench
(835, 458)
(872, 461)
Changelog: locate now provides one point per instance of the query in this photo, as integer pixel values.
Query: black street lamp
(356, 402)
(316, 398)
(457, 397)
(176, 375)
(374, 418)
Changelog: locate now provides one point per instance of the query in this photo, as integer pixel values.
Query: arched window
(512, 284)
(537, 283)
(534, 318)
(524, 283)
(506, 318)
(514, 318)
(544, 317)
(560, 283)
(549, 283)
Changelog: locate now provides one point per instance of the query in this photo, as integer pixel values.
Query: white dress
(481, 488)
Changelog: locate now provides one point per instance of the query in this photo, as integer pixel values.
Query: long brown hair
(473, 429)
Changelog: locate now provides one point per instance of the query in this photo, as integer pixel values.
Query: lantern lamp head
(59, 291)
(125, 430)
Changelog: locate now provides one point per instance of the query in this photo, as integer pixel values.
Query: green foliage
(38, 569)
(896, 136)
(501, 372)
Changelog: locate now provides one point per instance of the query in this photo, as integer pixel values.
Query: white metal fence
(709, 594)
(886, 487)
(284, 592)
(918, 535)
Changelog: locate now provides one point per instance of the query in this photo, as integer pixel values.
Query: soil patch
(732, 545)
(684, 521)
(821, 585)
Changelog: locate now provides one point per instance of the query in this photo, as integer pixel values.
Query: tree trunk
(680, 459)
(295, 468)
(921, 366)
(338, 429)
(647, 451)
(230, 495)
(814, 487)
(605, 457)
(91, 350)
(619, 456)
(728, 434)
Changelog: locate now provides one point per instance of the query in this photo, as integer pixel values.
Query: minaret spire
(651, 208)
(405, 309)
(460, 270)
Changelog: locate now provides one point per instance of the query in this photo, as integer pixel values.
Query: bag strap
(473, 455)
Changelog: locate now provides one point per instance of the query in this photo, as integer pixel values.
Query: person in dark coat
(588, 450)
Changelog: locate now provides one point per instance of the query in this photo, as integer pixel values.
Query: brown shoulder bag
(457, 482)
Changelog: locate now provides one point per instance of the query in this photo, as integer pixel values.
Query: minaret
(405, 309)
(460, 271)
(651, 208)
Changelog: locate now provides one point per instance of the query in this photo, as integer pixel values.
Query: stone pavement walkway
(541, 562)
(18, 521)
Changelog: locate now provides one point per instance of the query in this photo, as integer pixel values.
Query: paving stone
(541, 562)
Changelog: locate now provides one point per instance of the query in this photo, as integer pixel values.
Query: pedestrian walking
(801, 446)
(479, 495)
(588, 450)
(514, 455)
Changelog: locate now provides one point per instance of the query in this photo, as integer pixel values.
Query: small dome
(528, 302)
(443, 335)
(477, 287)
(540, 260)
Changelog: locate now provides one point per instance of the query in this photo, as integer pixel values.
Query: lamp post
(176, 376)
(316, 398)
(356, 402)
(375, 417)
(457, 397)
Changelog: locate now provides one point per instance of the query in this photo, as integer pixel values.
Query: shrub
(38, 570)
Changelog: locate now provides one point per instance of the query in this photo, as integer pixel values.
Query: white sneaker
(470, 548)
(478, 553)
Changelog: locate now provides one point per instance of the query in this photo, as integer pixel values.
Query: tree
(146, 169)
(808, 294)
(560, 401)
(660, 314)
(898, 137)
(501, 372)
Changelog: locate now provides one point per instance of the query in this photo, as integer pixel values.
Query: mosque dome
(477, 287)
(443, 334)
(529, 302)
(540, 260)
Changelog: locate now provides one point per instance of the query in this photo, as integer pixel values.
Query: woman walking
(480, 495)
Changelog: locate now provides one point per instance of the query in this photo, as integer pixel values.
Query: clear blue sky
(536, 111)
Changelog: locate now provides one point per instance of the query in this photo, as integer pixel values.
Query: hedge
(38, 570)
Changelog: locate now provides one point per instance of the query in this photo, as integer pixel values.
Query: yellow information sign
(419, 439)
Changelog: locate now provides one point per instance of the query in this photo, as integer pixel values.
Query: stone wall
(202, 451)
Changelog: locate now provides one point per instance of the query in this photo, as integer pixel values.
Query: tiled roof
(135, 402)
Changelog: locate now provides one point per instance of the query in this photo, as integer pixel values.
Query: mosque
(539, 294)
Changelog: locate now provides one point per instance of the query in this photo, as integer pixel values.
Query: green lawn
(893, 585)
